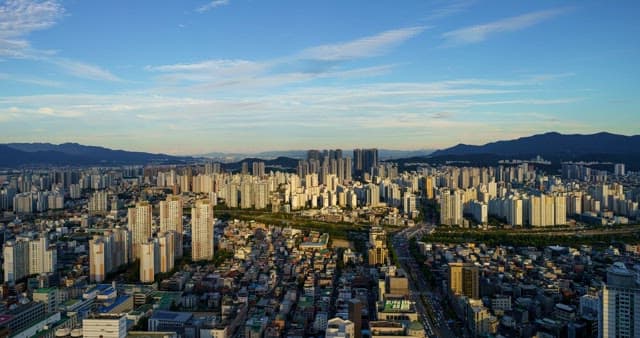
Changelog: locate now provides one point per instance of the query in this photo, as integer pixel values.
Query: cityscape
(233, 169)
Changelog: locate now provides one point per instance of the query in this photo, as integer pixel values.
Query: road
(427, 302)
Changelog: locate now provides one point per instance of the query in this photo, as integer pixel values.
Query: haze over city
(192, 77)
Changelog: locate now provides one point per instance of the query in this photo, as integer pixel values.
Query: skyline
(302, 76)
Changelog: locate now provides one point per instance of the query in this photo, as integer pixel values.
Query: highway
(427, 302)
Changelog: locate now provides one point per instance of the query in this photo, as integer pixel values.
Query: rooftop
(172, 316)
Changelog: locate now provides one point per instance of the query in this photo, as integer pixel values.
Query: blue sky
(189, 77)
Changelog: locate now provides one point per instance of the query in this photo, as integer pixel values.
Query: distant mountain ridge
(383, 154)
(552, 144)
(39, 154)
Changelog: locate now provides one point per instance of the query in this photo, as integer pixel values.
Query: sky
(191, 77)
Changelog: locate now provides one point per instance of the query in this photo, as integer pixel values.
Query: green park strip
(596, 238)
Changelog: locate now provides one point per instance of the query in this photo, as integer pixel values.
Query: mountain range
(41, 154)
(383, 154)
(552, 144)
(556, 147)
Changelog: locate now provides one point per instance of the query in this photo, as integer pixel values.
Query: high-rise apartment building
(139, 218)
(364, 160)
(620, 308)
(26, 256)
(166, 249)
(450, 207)
(16, 260)
(107, 252)
(99, 259)
(171, 220)
(99, 202)
(149, 261)
(202, 230)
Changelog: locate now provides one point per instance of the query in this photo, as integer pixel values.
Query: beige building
(166, 248)
(377, 246)
(202, 230)
(98, 257)
(149, 261)
(464, 279)
(171, 220)
(171, 214)
(139, 218)
(338, 327)
(105, 326)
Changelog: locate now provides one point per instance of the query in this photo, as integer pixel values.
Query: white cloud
(211, 5)
(18, 18)
(84, 70)
(451, 8)
(479, 33)
(326, 61)
(361, 48)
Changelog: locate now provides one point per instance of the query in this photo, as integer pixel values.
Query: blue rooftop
(117, 302)
(172, 316)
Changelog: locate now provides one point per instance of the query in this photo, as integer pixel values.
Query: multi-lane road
(427, 302)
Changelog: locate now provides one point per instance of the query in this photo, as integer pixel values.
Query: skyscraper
(149, 261)
(202, 230)
(450, 207)
(98, 259)
(171, 214)
(16, 260)
(99, 202)
(139, 219)
(620, 308)
(171, 220)
(364, 161)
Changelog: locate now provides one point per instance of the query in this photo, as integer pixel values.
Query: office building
(355, 316)
(464, 279)
(105, 326)
(377, 246)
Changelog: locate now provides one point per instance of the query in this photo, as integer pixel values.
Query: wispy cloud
(211, 5)
(18, 18)
(30, 80)
(361, 48)
(479, 33)
(209, 70)
(85, 70)
(320, 62)
(451, 8)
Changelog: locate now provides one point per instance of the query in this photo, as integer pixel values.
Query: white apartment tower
(620, 304)
(202, 230)
(139, 218)
(171, 220)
